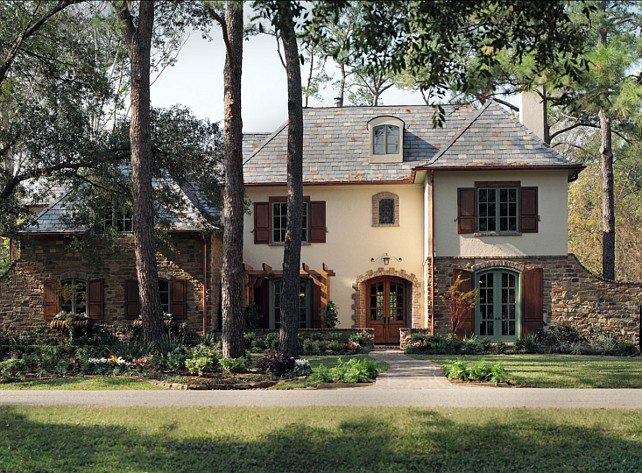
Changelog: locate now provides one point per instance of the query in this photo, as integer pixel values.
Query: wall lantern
(385, 258)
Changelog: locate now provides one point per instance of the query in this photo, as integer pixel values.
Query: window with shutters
(497, 208)
(270, 221)
(173, 298)
(73, 296)
(163, 289)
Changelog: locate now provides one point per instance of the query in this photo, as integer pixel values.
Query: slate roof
(196, 211)
(336, 145)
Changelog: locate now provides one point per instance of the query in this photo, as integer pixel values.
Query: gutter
(432, 251)
(204, 284)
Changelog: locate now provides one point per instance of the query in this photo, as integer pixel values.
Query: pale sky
(196, 81)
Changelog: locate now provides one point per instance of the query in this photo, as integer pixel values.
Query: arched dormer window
(386, 139)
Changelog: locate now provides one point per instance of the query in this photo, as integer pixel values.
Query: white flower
(301, 362)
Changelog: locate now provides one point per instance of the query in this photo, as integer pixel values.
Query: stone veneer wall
(572, 294)
(359, 303)
(49, 257)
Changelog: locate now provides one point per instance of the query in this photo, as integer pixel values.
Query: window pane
(163, 289)
(379, 140)
(392, 135)
(386, 211)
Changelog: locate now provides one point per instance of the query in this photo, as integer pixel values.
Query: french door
(497, 315)
(387, 308)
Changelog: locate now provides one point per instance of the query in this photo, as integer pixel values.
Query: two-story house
(396, 208)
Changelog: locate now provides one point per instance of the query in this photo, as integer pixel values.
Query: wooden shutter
(51, 301)
(95, 299)
(317, 222)
(132, 300)
(467, 326)
(528, 214)
(532, 300)
(315, 307)
(466, 210)
(262, 299)
(262, 222)
(178, 298)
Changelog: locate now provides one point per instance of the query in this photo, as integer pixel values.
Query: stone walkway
(407, 373)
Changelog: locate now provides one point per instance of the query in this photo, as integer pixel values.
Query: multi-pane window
(73, 296)
(119, 217)
(386, 211)
(280, 219)
(497, 209)
(304, 303)
(385, 139)
(497, 309)
(163, 289)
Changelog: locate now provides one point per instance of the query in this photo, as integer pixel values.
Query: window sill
(497, 234)
(303, 243)
(385, 225)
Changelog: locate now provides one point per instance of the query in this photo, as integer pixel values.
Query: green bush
(12, 367)
(330, 315)
(199, 364)
(336, 346)
(528, 343)
(480, 371)
(252, 316)
(234, 365)
(417, 337)
(249, 338)
(627, 348)
(360, 338)
(500, 347)
(354, 371)
(272, 341)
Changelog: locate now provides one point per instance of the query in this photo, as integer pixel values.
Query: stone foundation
(50, 258)
(572, 294)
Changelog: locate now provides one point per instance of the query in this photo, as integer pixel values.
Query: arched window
(386, 139)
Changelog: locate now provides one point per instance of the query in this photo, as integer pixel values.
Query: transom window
(280, 219)
(498, 209)
(385, 139)
(73, 296)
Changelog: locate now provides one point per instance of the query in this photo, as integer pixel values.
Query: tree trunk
(233, 192)
(288, 343)
(608, 199)
(138, 40)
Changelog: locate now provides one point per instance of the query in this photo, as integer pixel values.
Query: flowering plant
(352, 345)
(302, 367)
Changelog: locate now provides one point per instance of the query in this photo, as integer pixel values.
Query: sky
(196, 81)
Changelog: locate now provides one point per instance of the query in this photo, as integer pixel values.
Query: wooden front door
(387, 308)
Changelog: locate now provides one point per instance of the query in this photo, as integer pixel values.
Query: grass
(320, 439)
(329, 361)
(561, 371)
(81, 383)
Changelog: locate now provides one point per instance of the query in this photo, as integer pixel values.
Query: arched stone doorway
(387, 300)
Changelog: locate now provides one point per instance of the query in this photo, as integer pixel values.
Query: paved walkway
(408, 383)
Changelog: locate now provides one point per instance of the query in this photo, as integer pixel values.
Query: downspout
(204, 284)
(432, 251)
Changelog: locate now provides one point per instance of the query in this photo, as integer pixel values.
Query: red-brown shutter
(132, 300)
(466, 210)
(532, 300)
(317, 222)
(528, 214)
(261, 222)
(95, 299)
(467, 325)
(50, 299)
(178, 298)
(315, 307)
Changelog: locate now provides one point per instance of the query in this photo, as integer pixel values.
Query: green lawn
(89, 383)
(319, 439)
(561, 371)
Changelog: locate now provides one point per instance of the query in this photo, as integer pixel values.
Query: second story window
(497, 209)
(118, 216)
(385, 139)
(279, 222)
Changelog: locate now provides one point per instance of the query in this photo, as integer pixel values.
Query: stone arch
(501, 263)
(359, 295)
(74, 275)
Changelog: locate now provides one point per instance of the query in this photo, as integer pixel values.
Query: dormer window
(386, 139)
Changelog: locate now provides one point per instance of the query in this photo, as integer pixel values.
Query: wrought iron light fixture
(385, 258)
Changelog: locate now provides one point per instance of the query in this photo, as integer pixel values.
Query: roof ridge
(266, 141)
(458, 135)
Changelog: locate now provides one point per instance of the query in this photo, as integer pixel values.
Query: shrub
(336, 346)
(411, 350)
(456, 370)
(354, 371)
(276, 364)
(500, 347)
(627, 348)
(234, 365)
(301, 368)
(310, 346)
(272, 341)
(249, 338)
(497, 373)
(12, 367)
(529, 343)
(252, 316)
(360, 338)
(199, 364)
(330, 315)
(478, 372)
(417, 337)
